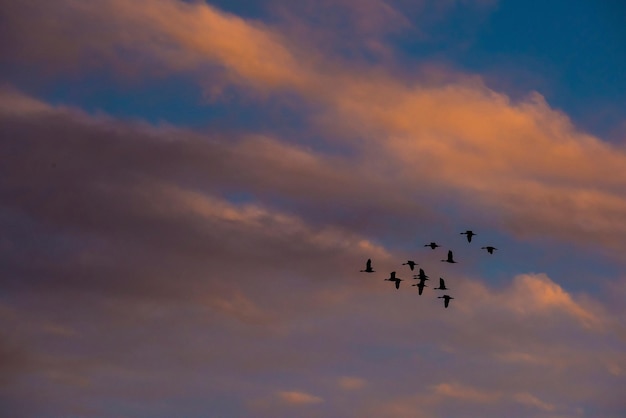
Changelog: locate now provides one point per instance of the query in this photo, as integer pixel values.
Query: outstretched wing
(368, 265)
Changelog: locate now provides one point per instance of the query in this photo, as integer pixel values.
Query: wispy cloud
(351, 383)
(295, 397)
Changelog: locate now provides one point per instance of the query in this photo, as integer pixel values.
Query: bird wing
(442, 284)
(368, 265)
(397, 284)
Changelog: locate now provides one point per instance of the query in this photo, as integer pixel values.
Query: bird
(421, 285)
(410, 263)
(393, 278)
(422, 276)
(432, 245)
(368, 267)
(446, 299)
(469, 234)
(489, 249)
(450, 259)
(442, 284)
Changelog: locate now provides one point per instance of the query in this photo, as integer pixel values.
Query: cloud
(156, 37)
(15, 103)
(465, 393)
(534, 294)
(228, 264)
(531, 400)
(129, 211)
(351, 383)
(521, 161)
(299, 398)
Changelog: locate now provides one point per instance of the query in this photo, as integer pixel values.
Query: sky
(189, 190)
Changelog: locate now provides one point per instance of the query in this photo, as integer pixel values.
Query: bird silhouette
(410, 263)
(393, 278)
(420, 286)
(432, 245)
(449, 259)
(422, 276)
(469, 235)
(442, 285)
(489, 249)
(446, 299)
(368, 267)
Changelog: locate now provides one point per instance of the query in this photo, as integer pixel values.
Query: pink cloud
(466, 393)
(295, 397)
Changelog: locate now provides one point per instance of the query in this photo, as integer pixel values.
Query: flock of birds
(422, 277)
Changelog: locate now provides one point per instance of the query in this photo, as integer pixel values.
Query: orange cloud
(534, 295)
(299, 398)
(531, 400)
(537, 293)
(523, 162)
(156, 37)
(351, 383)
(465, 393)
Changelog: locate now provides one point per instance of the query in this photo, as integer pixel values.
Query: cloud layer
(154, 269)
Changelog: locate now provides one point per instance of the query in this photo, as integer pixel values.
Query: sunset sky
(189, 189)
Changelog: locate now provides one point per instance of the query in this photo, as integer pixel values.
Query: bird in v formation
(422, 275)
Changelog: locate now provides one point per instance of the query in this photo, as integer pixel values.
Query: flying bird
(442, 285)
(446, 299)
(489, 249)
(450, 259)
(368, 267)
(421, 285)
(410, 263)
(432, 245)
(393, 278)
(422, 276)
(469, 235)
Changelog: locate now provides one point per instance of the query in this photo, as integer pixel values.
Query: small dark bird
(446, 299)
(393, 278)
(489, 249)
(422, 276)
(450, 259)
(411, 264)
(420, 286)
(368, 267)
(469, 234)
(442, 285)
(432, 245)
